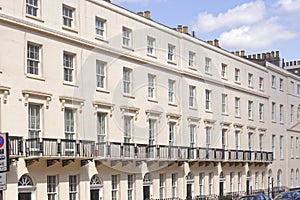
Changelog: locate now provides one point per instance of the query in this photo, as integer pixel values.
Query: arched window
(96, 188)
(25, 181)
(279, 178)
(190, 177)
(147, 179)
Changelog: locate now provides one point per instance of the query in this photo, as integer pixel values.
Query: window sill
(172, 104)
(273, 87)
(192, 108)
(208, 111)
(151, 55)
(35, 77)
(34, 18)
(261, 121)
(193, 68)
(239, 117)
(102, 90)
(101, 39)
(262, 90)
(237, 82)
(208, 73)
(224, 78)
(282, 123)
(152, 100)
(70, 84)
(250, 119)
(171, 62)
(128, 48)
(225, 114)
(250, 86)
(69, 29)
(274, 122)
(128, 96)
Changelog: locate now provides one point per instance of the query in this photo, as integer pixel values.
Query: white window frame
(210, 183)
(114, 187)
(100, 27)
(261, 112)
(250, 80)
(237, 135)
(68, 14)
(69, 67)
(171, 91)
(250, 109)
(239, 182)
(273, 114)
(224, 70)
(171, 53)
(192, 59)
(208, 105)
(224, 103)
(298, 89)
(127, 81)
(297, 147)
(208, 63)
(281, 85)
(281, 147)
(172, 131)
(34, 59)
(281, 113)
(274, 145)
(292, 113)
(130, 187)
(174, 185)
(250, 141)
(208, 133)
(101, 74)
(52, 187)
(162, 186)
(273, 81)
(128, 128)
(73, 187)
(237, 75)
(292, 147)
(192, 128)
(34, 120)
(101, 127)
(126, 37)
(192, 96)
(201, 183)
(261, 84)
(231, 181)
(70, 129)
(33, 8)
(151, 43)
(152, 130)
(237, 106)
(261, 142)
(151, 86)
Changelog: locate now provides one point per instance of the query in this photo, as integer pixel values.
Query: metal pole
(269, 185)
(272, 180)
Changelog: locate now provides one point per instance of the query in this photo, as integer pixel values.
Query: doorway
(24, 196)
(146, 192)
(188, 191)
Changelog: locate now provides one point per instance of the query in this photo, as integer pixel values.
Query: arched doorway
(249, 183)
(96, 188)
(221, 186)
(189, 185)
(147, 183)
(26, 188)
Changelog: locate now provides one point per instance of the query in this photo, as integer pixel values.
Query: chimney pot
(272, 54)
(147, 14)
(243, 53)
(263, 56)
(295, 62)
(186, 29)
(298, 62)
(291, 63)
(140, 13)
(287, 64)
(210, 42)
(258, 56)
(216, 42)
(179, 28)
(249, 56)
(277, 54)
(237, 53)
(254, 56)
(268, 54)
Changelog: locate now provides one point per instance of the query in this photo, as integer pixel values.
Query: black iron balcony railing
(15, 146)
(50, 147)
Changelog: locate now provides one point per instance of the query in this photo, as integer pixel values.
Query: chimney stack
(237, 53)
(268, 54)
(210, 42)
(277, 54)
(291, 63)
(249, 56)
(295, 62)
(216, 42)
(243, 53)
(263, 56)
(186, 29)
(140, 13)
(258, 56)
(179, 28)
(147, 14)
(298, 62)
(254, 56)
(287, 64)
(272, 54)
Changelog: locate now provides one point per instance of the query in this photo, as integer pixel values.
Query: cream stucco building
(103, 103)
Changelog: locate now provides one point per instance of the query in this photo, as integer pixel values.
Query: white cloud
(261, 35)
(288, 6)
(244, 14)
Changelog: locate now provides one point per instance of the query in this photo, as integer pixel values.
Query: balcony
(249, 156)
(15, 148)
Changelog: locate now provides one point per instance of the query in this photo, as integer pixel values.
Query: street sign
(3, 183)
(4, 157)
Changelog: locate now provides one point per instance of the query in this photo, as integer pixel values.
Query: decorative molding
(129, 109)
(35, 94)
(5, 91)
(209, 121)
(104, 105)
(155, 113)
(238, 126)
(173, 116)
(191, 119)
(71, 100)
(251, 128)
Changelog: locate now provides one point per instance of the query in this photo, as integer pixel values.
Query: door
(221, 188)
(95, 195)
(146, 192)
(24, 196)
(189, 191)
(248, 187)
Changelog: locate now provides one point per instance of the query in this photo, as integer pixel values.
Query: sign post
(4, 160)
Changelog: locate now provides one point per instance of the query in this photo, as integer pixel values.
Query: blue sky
(254, 26)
